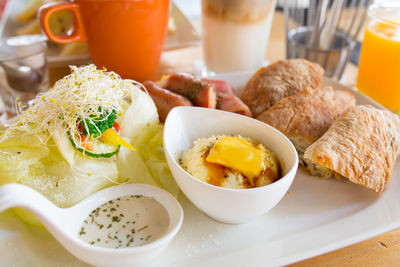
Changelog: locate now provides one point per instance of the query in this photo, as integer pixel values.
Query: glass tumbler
(379, 68)
(235, 33)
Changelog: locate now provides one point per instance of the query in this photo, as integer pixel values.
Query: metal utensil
(324, 31)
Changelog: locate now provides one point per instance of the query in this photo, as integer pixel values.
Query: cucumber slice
(100, 150)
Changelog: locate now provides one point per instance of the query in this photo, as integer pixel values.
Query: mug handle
(78, 33)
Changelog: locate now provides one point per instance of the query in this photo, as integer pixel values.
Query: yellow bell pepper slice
(112, 137)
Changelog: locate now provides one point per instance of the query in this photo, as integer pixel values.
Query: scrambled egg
(231, 162)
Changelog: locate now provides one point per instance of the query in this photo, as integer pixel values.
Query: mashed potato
(194, 162)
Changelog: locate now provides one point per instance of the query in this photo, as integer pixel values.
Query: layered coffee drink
(235, 33)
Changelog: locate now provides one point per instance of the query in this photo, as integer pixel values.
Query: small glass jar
(23, 69)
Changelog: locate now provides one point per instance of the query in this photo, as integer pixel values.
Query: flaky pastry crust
(280, 79)
(361, 145)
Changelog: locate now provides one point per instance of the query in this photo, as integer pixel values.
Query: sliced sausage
(220, 86)
(227, 100)
(206, 97)
(232, 103)
(183, 84)
(165, 100)
(200, 93)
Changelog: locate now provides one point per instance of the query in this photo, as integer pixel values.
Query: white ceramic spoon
(64, 224)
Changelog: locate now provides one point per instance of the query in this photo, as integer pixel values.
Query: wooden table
(383, 250)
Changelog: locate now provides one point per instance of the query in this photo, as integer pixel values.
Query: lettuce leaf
(141, 129)
(149, 144)
(19, 151)
(66, 185)
(141, 113)
(24, 159)
(67, 178)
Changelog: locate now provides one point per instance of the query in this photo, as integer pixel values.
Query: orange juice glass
(379, 68)
(125, 36)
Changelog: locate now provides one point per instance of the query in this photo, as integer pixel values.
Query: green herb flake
(144, 227)
(82, 232)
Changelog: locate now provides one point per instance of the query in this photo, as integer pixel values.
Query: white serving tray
(315, 217)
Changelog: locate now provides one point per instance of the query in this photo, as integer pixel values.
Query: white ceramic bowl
(186, 124)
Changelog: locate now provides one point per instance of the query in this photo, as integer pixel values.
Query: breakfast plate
(316, 216)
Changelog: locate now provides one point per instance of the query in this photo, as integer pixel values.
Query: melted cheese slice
(238, 154)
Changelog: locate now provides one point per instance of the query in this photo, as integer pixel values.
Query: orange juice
(379, 68)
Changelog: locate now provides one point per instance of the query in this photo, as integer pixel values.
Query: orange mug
(125, 36)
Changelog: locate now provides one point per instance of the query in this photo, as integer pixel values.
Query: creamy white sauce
(125, 222)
